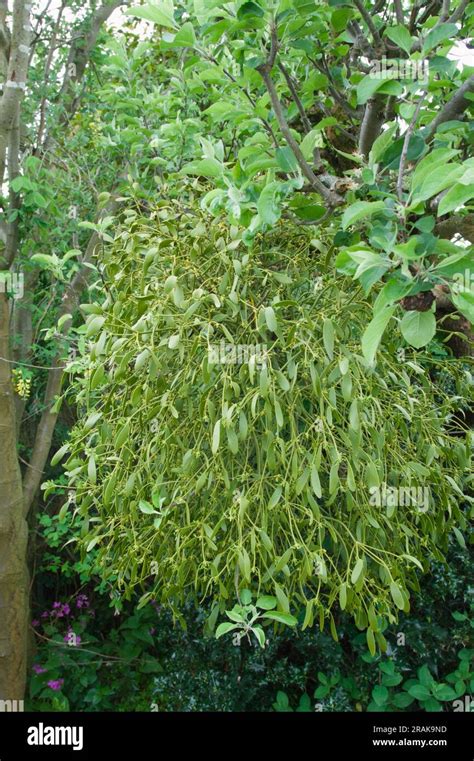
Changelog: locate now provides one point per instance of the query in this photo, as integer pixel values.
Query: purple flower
(60, 609)
(35, 623)
(82, 601)
(72, 638)
(56, 684)
(152, 630)
(44, 614)
(39, 669)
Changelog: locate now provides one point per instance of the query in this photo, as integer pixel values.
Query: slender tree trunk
(14, 594)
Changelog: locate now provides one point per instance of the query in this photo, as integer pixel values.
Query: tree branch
(304, 119)
(453, 108)
(371, 124)
(399, 11)
(459, 12)
(406, 142)
(457, 224)
(15, 84)
(332, 198)
(368, 20)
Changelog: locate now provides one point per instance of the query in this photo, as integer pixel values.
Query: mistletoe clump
(233, 436)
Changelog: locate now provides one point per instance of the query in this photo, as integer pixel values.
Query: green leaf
(204, 168)
(159, 12)
(437, 157)
(464, 301)
(312, 140)
(315, 482)
(360, 210)
(146, 508)
(142, 359)
(444, 692)
(371, 641)
(281, 596)
(185, 37)
(220, 111)
(381, 144)
(225, 628)
(20, 182)
(400, 36)
(260, 635)
(357, 571)
(343, 596)
(57, 457)
(402, 700)
(380, 695)
(455, 197)
(328, 338)
(460, 538)
(270, 319)
(216, 437)
(282, 618)
(275, 498)
(39, 200)
(286, 159)
(367, 87)
(267, 205)
(438, 34)
(173, 341)
(374, 332)
(418, 328)
(92, 420)
(436, 181)
(232, 440)
(94, 325)
(266, 602)
(246, 596)
(419, 691)
(397, 596)
(122, 435)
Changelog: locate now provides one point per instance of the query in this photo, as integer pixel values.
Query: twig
(368, 20)
(296, 98)
(399, 11)
(456, 15)
(406, 143)
(332, 198)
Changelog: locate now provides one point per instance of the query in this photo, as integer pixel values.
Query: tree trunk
(14, 593)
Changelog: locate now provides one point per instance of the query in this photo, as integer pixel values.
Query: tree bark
(14, 593)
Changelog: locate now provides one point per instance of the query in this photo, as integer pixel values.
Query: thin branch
(406, 142)
(332, 198)
(353, 113)
(368, 20)
(453, 108)
(14, 86)
(459, 12)
(305, 121)
(250, 99)
(444, 11)
(399, 11)
(47, 69)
